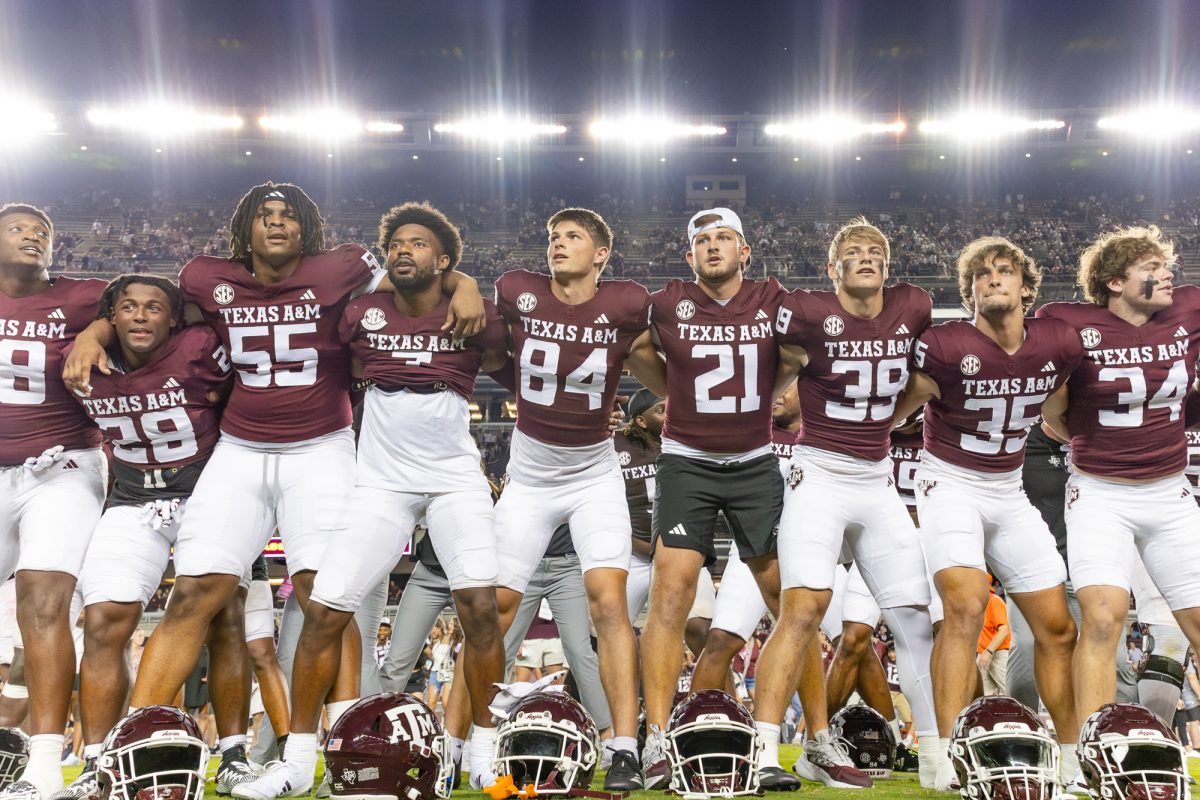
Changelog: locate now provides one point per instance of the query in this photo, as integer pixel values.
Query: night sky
(605, 56)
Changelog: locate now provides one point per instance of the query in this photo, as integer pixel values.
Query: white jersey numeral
(258, 366)
(22, 384)
(1004, 415)
(725, 370)
(168, 433)
(884, 380)
(539, 374)
(1133, 402)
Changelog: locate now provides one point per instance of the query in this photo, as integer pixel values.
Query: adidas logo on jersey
(309, 294)
(1049, 367)
(171, 383)
(601, 320)
(902, 330)
(1181, 331)
(56, 314)
(761, 314)
(678, 530)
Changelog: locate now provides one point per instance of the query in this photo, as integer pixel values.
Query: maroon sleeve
(359, 265)
(1191, 411)
(506, 376)
(349, 322)
(494, 335)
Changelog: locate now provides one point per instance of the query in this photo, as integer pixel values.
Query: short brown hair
(426, 216)
(986, 250)
(1112, 254)
(31, 210)
(590, 221)
(858, 228)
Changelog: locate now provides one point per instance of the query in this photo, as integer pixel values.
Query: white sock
(456, 749)
(483, 748)
(44, 769)
(15, 691)
(627, 743)
(944, 748)
(820, 736)
(1068, 762)
(230, 742)
(335, 710)
(894, 724)
(301, 751)
(92, 750)
(769, 735)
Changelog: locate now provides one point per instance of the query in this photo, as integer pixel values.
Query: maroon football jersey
(990, 399)
(36, 409)
(399, 351)
(1126, 415)
(638, 468)
(569, 357)
(856, 367)
(721, 362)
(783, 440)
(158, 417)
(293, 374)
(906, 455)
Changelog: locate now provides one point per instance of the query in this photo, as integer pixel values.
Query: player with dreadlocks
(285, 458)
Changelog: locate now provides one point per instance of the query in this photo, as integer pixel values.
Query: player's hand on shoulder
(616, 420)
(87, 354)
(467, 315)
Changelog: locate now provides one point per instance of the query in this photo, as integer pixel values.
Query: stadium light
(499, 128)
(159, 120)
(20, 128)
(327, 124)
(1157, 122)
(832, 128)
(381, 126)
(975, 126)
(646, 130)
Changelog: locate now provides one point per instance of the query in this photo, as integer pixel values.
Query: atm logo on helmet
(410, 724)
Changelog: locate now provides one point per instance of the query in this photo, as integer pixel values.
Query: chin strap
(598, 795)
(504, 788)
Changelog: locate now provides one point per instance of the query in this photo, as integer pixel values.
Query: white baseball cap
(727, 219)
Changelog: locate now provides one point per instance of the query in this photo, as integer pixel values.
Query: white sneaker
(946, 779)
(826, 760)
(656, 765)
(927, 765)
(279, 779)
(21, 790)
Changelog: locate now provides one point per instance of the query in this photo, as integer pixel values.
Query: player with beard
(160, 408)
(983, 384)
(285, 459)
(1125, 423)
(53, 472)
(718, 336)
(416, 460)
(852, 344)
(638, 445)
(571, 333)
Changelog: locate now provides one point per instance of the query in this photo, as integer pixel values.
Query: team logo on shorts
(970, 364)
(925, 487)
(833, 325)
(526, 302)
(795, 476)
(223, 294)
(624, 458)
(1090, 337)
(686, 309)
(1072, 495)
(374, 319)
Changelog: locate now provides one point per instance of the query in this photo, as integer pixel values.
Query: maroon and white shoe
(825, 760)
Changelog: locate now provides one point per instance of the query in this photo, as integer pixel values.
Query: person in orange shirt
(994, 641)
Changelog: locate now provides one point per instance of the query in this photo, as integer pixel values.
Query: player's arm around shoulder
(921, 387)
(647, 364)
(1054, 414)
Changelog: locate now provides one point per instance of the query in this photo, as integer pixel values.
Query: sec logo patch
(624, 458)
(374, 319)
(833, 325)
(686, 309)
(223, 293)
(1090, 337)
(526, 302)
(970, 364)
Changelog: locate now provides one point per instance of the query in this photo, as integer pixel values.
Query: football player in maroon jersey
(160, 409)
(285, 459)
(1125, 423)
(54, 475)
(718, 335)
(853, 344)
(985, 382)
(571, 333)
(416, 460)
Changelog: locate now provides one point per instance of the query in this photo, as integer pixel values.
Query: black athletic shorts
(689, 492)
(1044, 478)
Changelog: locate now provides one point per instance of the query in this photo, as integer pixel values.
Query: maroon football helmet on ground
(713, 746)
(14, 754)
(1128, 753)
(549, 740)
(869, 739)
(388, 745)
(155, 753)
(1002, 751)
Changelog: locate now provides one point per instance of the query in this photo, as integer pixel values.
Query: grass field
(903, 786)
